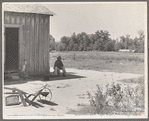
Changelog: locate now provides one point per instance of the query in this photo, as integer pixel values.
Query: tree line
(99, 41)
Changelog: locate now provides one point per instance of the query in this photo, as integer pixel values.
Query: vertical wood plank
(26, 41)
(29, 43)
(27, 49)
(26, 38)
(18, 18)
(44, 55)
(47, 45)
(48, 31)
(12, 18)
(36, 45)
(22, 41)
(32, 55)
(6, 17)
(41, 45)
(46, 34)
(35, 37)
(20, 46)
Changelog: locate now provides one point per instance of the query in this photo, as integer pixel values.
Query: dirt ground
(68, 93)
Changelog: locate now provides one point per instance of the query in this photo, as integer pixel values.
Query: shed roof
(28, 8)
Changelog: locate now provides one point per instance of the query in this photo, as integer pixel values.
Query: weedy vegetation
(117, 99)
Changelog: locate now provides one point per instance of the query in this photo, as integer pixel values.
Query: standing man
(59, 66)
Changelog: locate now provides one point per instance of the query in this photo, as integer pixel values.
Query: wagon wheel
(46, 94)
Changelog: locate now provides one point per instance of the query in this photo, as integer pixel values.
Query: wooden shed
(26, 36)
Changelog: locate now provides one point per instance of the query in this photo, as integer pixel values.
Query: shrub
(98, 101)
(115, 93)
(98, 104)
(115, 98)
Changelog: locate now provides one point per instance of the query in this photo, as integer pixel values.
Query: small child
(22, 73)
(24, 65)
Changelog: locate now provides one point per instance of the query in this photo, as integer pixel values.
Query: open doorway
(11, 49)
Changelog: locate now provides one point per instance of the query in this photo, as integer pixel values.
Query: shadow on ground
(37, 105)
(70, 75)
(47, 102)
(15, 81)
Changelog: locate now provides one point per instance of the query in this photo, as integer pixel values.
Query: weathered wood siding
(34, 45)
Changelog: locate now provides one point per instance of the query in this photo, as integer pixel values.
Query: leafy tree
(71, 45)
(65, 40)
(136, 42)
(57, 46)
(85, 41)
(74, 42)
(117, 46)
(103, 36)
(109, 46)
(62, 47)
(75, 47)
(123, 42)
(126, 42)
(51, 43)
(130, 44)
(92, 38)
(98, 45)
(100, 41)
(74, 38)
(141, 35)
(80, 42)
(141, 42)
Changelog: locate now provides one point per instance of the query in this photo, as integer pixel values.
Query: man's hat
(59, 57)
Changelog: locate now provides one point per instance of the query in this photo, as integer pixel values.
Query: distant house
(126, 50)
(26, 32)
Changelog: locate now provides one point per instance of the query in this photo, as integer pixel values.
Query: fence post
(74, 56)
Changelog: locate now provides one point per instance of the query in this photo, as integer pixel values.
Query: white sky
(119, 18)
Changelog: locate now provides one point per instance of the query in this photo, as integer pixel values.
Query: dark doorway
(11, 49)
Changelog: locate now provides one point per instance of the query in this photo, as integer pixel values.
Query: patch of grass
(134, 80)
(118, 56)
(91, 110)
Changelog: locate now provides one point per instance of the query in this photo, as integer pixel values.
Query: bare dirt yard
(85, 70)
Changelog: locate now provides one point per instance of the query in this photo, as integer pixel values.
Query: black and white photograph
(74, 60)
